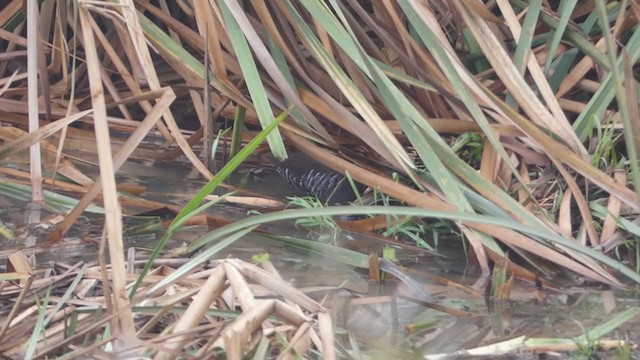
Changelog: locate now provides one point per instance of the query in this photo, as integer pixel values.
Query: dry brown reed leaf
(269, 268)
(505, 175)
(16, 39)
(367, 113)
(503, 291)
(133, 39)
(271, 26)
(608, 301)
(239, 286)
(370, 224)
(210, 26)
(326, 334)
(576, 107)
(564, 215)
(518, 88)
(559, 151)
(113, 219)
(583, 206)
(238, 334)
(98, 274)
(195, 77)
(416, 198)
(251, 201)
(526, 154)
(18, 263)
(480, 10)
(523, 195)
(194, 314)
(579, 263)
(125, 75)
(561, 122)
(475, 240)
(300, 342)
(88, 327)
(290, 313)
(59, 59)
(119, 158)
(457, 126)
(9, 10)
(186, 148)
(27, 139)
(586, 64)
(578, 72)
(40, 57)
(447, 283)
(613, 211)
(413, 58)
(33, 57)
(340, 115)
(18, 304)
(631, 104)
(21, 107)
(6, 82)
(635, 8)
(418, 59)
(20, 140)
(279, 286)
(490, 163)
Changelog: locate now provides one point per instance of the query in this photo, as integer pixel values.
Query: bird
(311, 177)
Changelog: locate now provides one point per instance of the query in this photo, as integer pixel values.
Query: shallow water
(386, 316)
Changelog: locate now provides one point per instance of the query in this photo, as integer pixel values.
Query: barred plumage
(315, 179)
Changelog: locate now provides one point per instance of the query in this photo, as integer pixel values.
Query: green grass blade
(535, 231)
(61, 202)
(238, 130)
(608, 326)
(602, 98)
(253, 80)
(566, 9)
(523, 49)
(618, 89)
(39, 328)
(206, 190)
(345, 256)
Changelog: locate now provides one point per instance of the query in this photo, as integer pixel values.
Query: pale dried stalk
(238, 333)
(561, 124)
(34, 117)
(326, 334)
(613, 209)
(120, 157)
(417, 198)
(195, 312)
(521, 92)
(241, 290)
(113, 216)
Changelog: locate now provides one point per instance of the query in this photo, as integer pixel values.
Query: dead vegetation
(367, 88)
